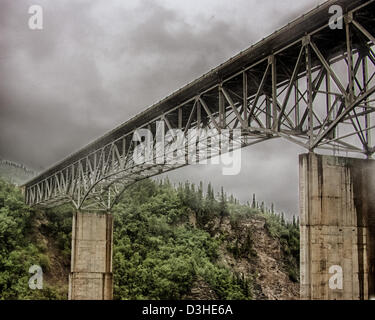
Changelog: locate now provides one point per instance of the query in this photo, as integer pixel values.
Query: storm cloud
(97, 63)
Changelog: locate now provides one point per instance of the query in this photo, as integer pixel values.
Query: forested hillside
(170, 242)
(14, 172)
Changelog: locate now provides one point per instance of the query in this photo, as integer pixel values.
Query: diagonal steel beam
(260, 89)
(362, 97)
(364, 31)
(205, 107)
(230, 101)
(290, 87)
(329, 69)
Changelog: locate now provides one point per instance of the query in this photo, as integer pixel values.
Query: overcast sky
(97, 63)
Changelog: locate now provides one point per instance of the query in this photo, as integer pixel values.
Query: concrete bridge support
(91, 263)
(337, 220)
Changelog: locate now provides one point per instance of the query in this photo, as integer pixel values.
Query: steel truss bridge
(307, 83)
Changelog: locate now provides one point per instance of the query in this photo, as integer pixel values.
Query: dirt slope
(264, 266)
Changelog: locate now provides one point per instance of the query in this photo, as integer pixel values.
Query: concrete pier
(337, 221)
(91, 263)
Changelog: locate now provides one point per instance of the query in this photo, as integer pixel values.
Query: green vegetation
(288, 234)
(166, 239)
(158, 254)
(18, 249)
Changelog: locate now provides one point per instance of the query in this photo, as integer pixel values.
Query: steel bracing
(307, 83)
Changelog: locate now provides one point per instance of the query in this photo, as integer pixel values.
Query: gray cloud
(97, 63)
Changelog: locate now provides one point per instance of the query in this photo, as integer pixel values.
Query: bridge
(312, 83)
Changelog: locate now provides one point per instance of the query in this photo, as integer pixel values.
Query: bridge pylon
(337, 225)
(91, 262)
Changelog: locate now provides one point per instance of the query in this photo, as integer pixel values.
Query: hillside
(169, 243)
(14, 172)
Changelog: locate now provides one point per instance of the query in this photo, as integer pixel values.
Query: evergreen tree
(254, 205)
(223, 204)
(231, 200)
(262, 207)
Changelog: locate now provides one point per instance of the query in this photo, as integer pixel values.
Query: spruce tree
(262, 207)
(254, 202)
(223, 204)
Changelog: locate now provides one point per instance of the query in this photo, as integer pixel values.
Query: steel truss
(317, 92)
